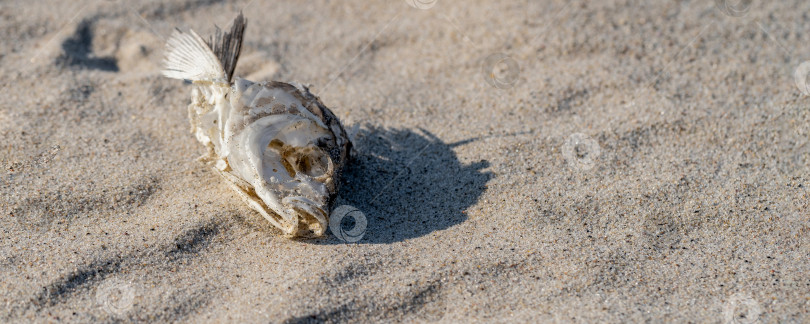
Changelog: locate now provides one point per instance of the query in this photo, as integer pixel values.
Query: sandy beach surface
(515, 161)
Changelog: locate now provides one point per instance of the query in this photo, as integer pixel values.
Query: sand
(516, 161)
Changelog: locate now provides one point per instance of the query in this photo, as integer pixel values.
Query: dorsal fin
(228, 45)
(189, 58)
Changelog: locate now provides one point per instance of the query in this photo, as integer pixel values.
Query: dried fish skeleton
(275, 143)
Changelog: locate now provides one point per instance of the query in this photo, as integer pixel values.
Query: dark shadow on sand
(407, 184)
(78, 50)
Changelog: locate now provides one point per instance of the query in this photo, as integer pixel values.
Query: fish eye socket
(312, 161)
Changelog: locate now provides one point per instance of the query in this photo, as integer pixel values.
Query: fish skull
(275, 143)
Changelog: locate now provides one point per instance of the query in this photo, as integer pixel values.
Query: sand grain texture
(686, 198)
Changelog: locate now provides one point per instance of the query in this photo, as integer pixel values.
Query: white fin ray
(189, 58)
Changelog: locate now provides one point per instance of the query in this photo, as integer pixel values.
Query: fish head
(290, 149)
